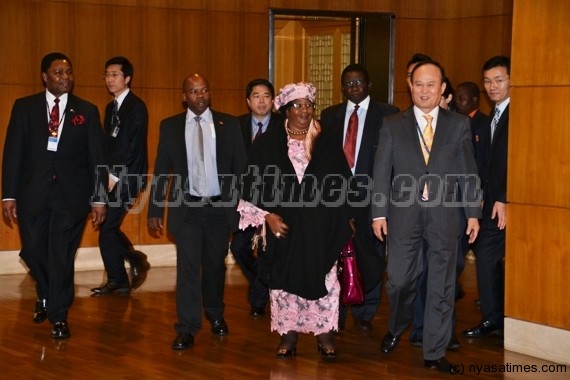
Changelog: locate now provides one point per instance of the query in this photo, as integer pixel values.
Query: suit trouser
(49, 243)
(420, 301)
(258, 293)
(201, 248)
(404, 269)
(489, 252)
(115, 246)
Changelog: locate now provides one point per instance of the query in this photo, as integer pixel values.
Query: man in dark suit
(52, 176)
(416, 192)
(490, 248)
(370, 251)
(126, 124)
(203, 152)
(467, 97)
(259, 95)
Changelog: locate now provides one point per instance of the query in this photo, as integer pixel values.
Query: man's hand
(500, 212)
(380, 228)
(472, 229)
(9, 211)
(98, 213)
(155, 226)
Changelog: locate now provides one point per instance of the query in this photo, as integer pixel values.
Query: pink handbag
(351, 286)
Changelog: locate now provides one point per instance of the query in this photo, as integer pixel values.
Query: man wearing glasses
(126, 124)
(358, 121)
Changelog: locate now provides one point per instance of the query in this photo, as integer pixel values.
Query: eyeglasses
(496, 82)
(305, 105)
(196, 91)
(352, 83)
(112, 75)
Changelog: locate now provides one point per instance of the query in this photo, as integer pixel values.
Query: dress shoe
(325, 345)
(417, 342)
(257, 311)
(485, 328)
(389, 343)
(363, 325)
(453, 343)
(326, 352)
(111, 287)
(441, 365)
(288, 345)
(219, 327)
(183, 341)
(60, 330)
(40, 312)
(139, 270)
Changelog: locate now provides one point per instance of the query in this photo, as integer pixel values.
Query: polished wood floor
(129, 337)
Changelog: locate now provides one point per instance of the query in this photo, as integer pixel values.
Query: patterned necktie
(198, 165)
(428, 140)
(428, 137)
(53, 124)
(259, 130)
(350, 140)
(494, 123)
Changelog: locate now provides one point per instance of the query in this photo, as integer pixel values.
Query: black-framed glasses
(304, 105)
(352, 83)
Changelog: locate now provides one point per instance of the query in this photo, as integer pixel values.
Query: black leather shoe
(441, 365)
(389, 343)
(111, 287)
(453, 343)
(363, 326)
(183, 341)
(40, 313)
(417, 342)
(60, 330)
(139, 270)
(257, 311)
(485, 328)
(219, 327)
(288, 345)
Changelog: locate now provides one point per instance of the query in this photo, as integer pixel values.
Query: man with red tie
(52, 176)
(358, 121)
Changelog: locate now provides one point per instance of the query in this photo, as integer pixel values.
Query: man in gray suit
(424, 155)
(202, 151)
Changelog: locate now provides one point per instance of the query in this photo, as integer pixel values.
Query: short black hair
(417, 58)
(126, 65)
(436, 64)
(498, 61)
(49, 58)
(259, 82)
(355, 67)
(471, 87)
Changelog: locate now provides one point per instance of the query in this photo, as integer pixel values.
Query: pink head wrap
(294, 91)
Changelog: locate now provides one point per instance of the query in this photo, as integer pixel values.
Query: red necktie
(350, 140)
(53, 123)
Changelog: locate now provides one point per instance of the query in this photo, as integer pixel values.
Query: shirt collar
(363, 104)
(122, 97)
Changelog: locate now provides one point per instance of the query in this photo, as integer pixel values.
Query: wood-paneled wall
(226, 40)
(538, 214)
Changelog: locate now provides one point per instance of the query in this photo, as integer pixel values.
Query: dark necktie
(259, 130)
(495, 121)
(198, 165)
(53, 124)
(350, 140)
(115, 114)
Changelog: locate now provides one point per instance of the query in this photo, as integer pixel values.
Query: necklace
(296, 133)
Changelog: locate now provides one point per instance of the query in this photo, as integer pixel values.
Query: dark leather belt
(204, 200)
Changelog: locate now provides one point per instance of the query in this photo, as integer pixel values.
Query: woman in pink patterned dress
(295, 190)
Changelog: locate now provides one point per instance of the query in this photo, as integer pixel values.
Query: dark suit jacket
(400, 170)
(275, 121)
(171, 160)
(494, 173)
(28, 166)
(370, 264)
(127, 152)
(479, 122)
